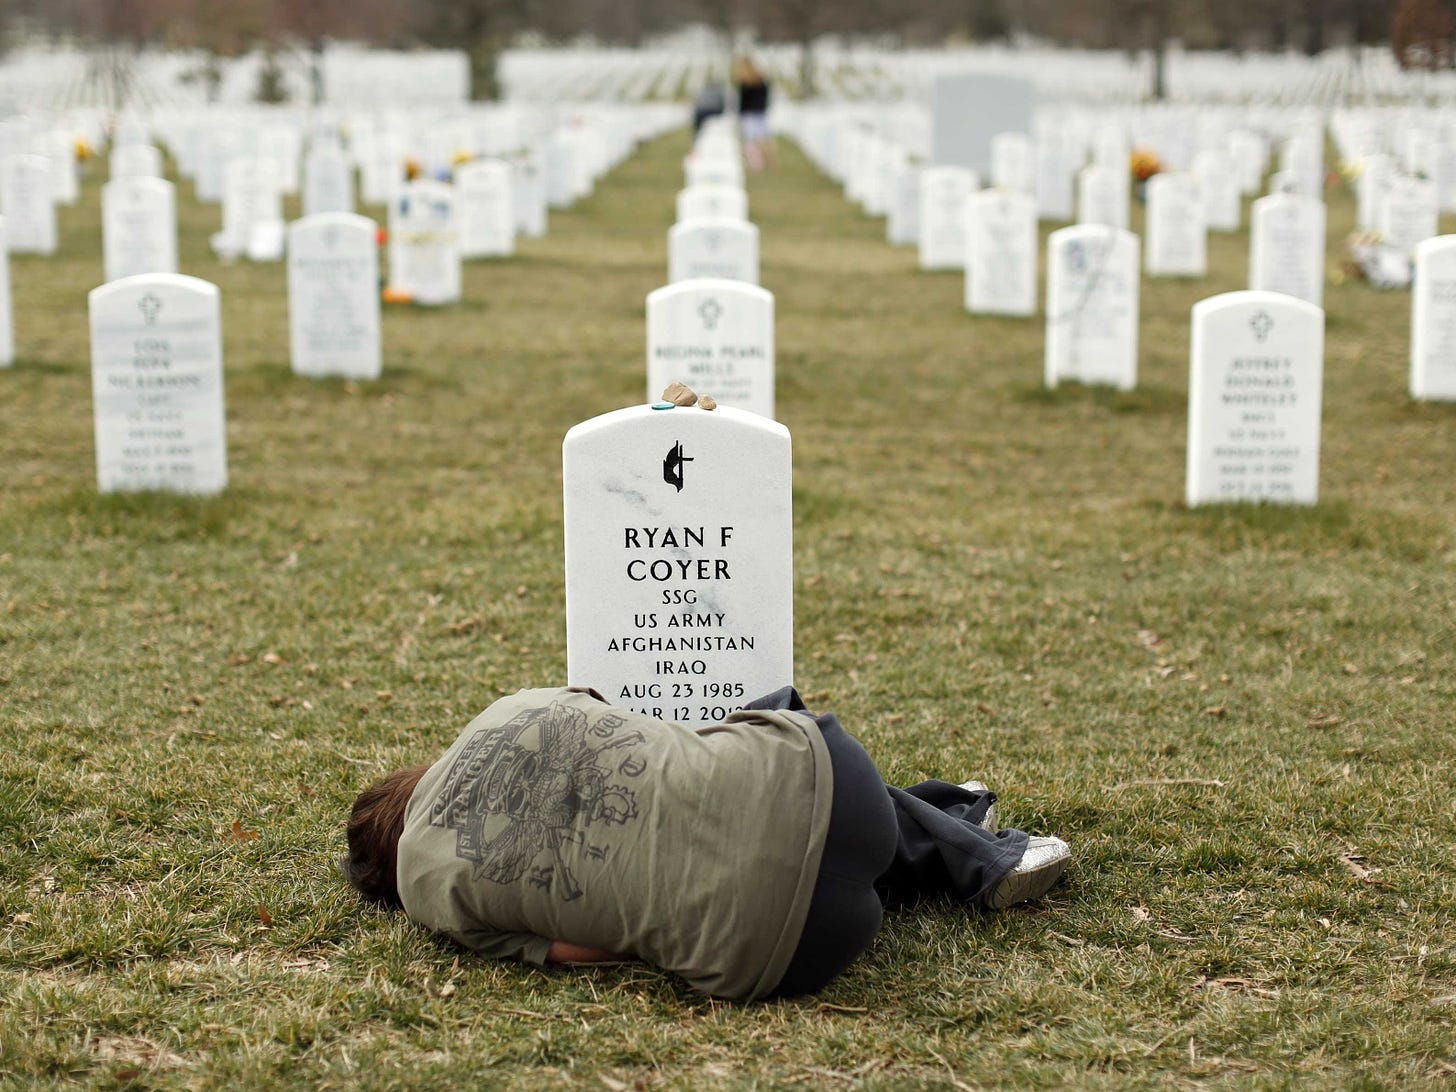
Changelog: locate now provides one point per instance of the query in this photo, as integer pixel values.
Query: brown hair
(375, 825)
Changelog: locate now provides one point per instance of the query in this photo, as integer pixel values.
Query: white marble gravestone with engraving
(328, 180)
(59, 147)
(1001, 253)
(132, 160)
(717, 336)
(1056, 180)
(333, 296)
(1102, 196)
(944, 192)
(7, 327)
(252, 208)
(1013, 163)
(726, 249)
(1223, 208)
(712, 201)
(1376, 172)
(529, 188)
(28, 204)
(1177, 237)
(483, 188)
(1287, 246)
(1254, 399)
(424, 250)
(902, 225)
(138, 226)
(679, 559)
(1092, 306)
(1409, 213)
(156, 379)
(1433, 321)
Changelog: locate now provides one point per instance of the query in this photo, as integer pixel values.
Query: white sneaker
(1036, 874)
(988, 821)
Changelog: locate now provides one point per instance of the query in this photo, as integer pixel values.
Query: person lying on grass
(754, 857)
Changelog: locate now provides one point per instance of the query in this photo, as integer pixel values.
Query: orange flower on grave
(412, 169)
(1144, 164)
(396, 295)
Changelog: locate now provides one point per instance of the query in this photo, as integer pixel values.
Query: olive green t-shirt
(558, 817)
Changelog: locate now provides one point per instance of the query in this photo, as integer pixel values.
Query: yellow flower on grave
(412, 169)
(462, 156)
(83, 150)
(1144, 164)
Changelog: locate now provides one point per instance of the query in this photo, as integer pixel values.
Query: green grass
(1241, 718)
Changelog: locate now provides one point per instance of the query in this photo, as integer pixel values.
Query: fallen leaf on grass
(1148, 639)
(1215, 711)
(1139, 914)
(273, 659)
(142, 1053)
(1358, 865)
(1447, 1002)
(263, 915)
(1324, 720)
(238, 834)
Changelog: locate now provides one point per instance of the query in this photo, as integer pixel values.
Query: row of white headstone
(712, 326)
(156, 337)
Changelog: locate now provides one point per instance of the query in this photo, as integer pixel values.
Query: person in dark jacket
(710, 102)
(753, 95)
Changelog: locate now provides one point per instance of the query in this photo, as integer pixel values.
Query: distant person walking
(758, 146)
(711, 101)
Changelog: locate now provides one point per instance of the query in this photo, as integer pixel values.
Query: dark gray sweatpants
(886, 847)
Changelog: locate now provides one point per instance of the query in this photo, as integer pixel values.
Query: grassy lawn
(1240, 718)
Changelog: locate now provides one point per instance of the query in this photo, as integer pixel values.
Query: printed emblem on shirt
(540, 789)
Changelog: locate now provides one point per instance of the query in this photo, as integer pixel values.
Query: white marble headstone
(424, 250)
(902, 225)
(725, 249)
(1001, 253)
(1254, 399)
(156, 378)
(679, 559)
(28, 204)
(1376, 172)
(1433, 321)
(1222, 206)
(328, 180)
(717, 336)
(333, 296)
(251, 200)
(1012, 163)
(1287, 246)
(1177, 238)
(944, 192)
(712, 201)
(1409, 213)
(1092, 306)
(138, 226)
(1103, 196)
(529, 188)
(483, 189)
(131, 160)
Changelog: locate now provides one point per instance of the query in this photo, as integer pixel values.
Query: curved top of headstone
(1249, 297)
(177, 281)
(709, 284)
(724, 418)
(336, 219)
